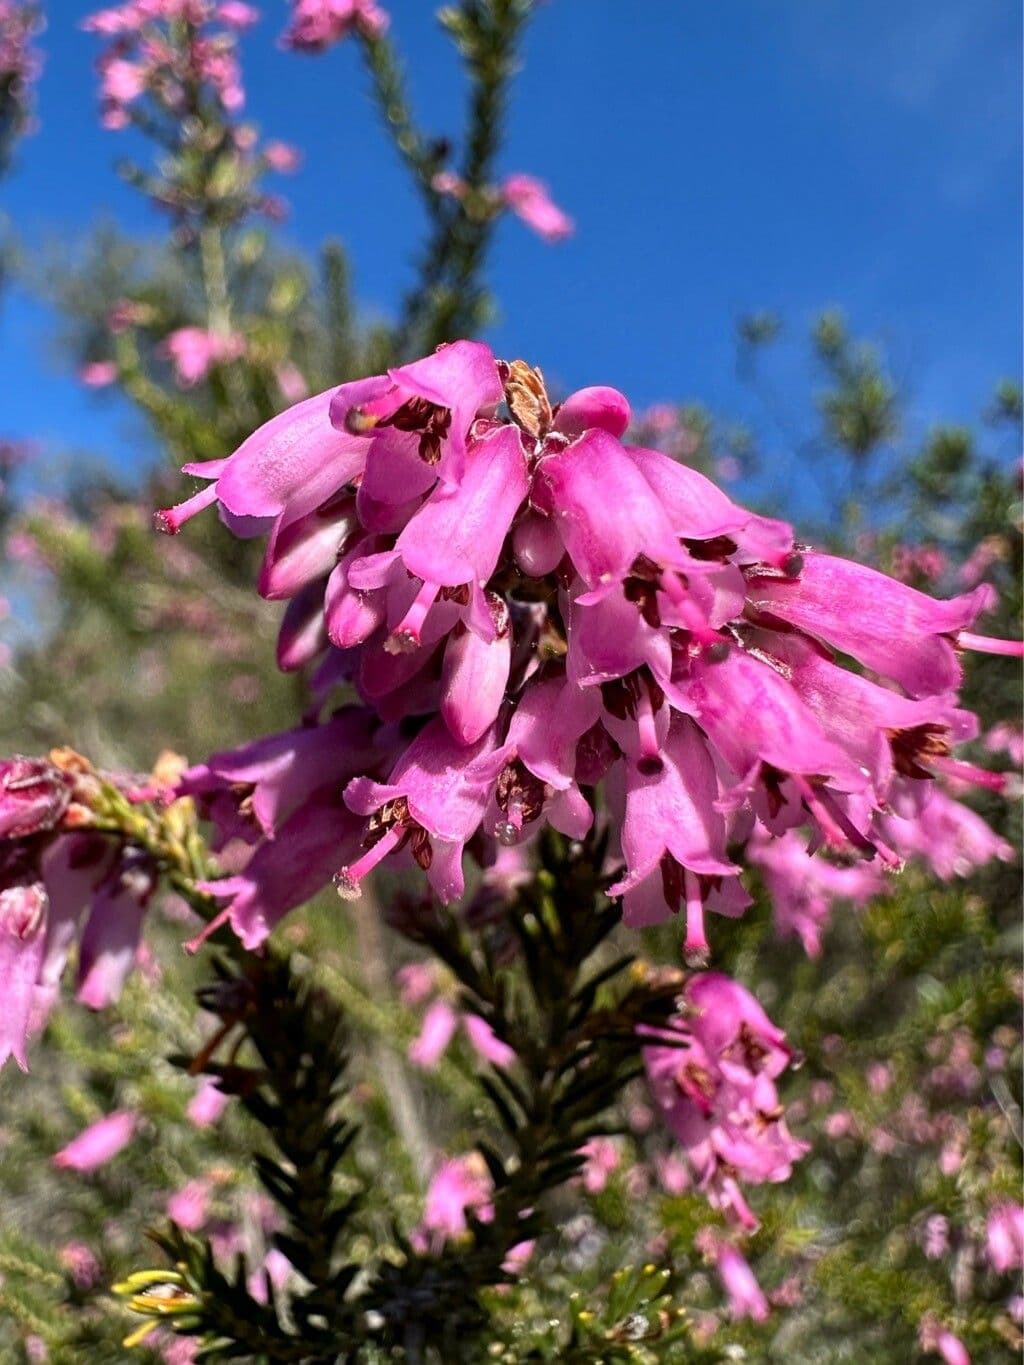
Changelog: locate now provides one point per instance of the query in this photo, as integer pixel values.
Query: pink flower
(1005, 1238)
(901, 634)
(97, 374)
(602, 1158)
(206, 1105)
(99, 1143)
(194, 352)
(282, 157)
(529, 200)
(439, 1025)
(460, 1186)
(237, 14)
(318, 24)
(746, 1298)
(803, 889)
(81, 1264)
(23, 915)
(712, 1075)
(443, 537)
(1008, 739)
(941, 1341)
(188, 1207)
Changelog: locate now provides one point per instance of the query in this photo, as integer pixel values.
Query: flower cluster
(712, 1076)
(316, 25)
(19, 68)
(171, 68)
(145, 58)
(530, 609)
(62, 881)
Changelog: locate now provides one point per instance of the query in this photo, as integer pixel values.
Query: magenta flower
(441, 1022)
(22, 942)
(189, 1206)
(99, 1143)
(603, 1157)
(902, 634)
(318, 24)
(529, 200)
(194, 352)
(206, 1105)
(746, 1298)
(1004, 1238)
(98, 374)
(712, 1075)
(444, 537)
(433, 802)
(805, 887)
(460, 1186)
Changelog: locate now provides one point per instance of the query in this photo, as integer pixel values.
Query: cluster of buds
(712, 1075)
(171, 67)
(533, 612)
(69, 873)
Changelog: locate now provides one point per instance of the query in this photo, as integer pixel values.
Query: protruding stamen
(969, 772)
(347, 879)
(406, 635)
(171, 519)
(649, 762)
(984, 644)
(696, 949)
(835, 835)
(194, 944)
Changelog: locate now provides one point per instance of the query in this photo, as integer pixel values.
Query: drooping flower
(712, 1074)
(535, 607)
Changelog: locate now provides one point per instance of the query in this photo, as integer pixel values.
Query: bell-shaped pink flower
(712, 1074)
(99, 1143)
(286, 871)
(23, 907)
(434, 799)
(287, 468)
(473, 679)
(576, 486)
(436, 1032)
(896, 630)
(110, 939)
(460, 1185)
(746, 1298)
(439, 397)
(673, 835)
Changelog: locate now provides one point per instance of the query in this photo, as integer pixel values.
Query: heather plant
(599, 915)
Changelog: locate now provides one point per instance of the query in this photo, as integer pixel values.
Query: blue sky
(717, 158)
